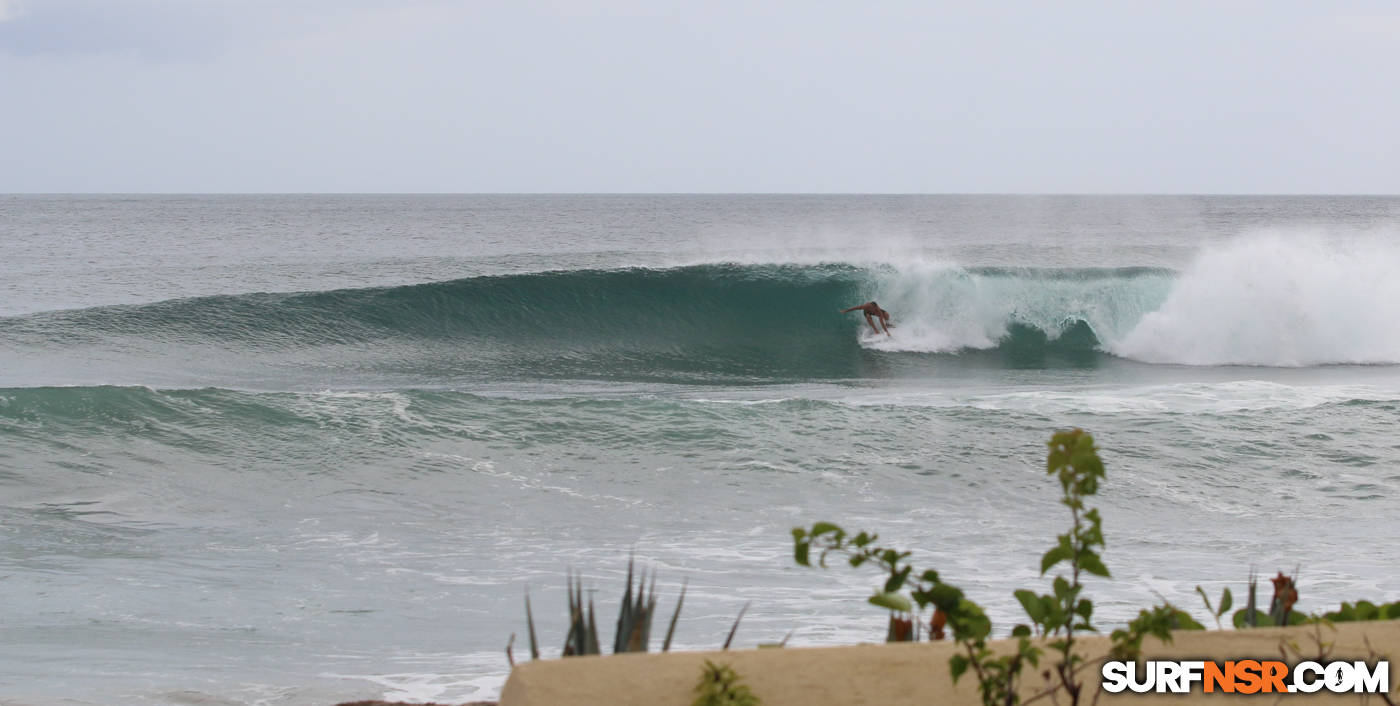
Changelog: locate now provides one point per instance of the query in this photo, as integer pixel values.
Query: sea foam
(1276, 300)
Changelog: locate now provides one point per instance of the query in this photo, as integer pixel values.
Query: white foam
(427, 686)
(1285, 300)
(1195, 397)
(1282, 299)
(943, 308)
(1217, 397)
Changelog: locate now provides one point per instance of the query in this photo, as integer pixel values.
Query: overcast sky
(656, 96)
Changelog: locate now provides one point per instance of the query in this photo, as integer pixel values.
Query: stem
(1050, 691)
(1011, 670)
(1065, 669)
(976, 669)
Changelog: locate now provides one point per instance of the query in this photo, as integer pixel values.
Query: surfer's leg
(870, 320)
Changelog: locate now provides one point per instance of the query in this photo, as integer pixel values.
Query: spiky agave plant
(634, 617)
(582, 638)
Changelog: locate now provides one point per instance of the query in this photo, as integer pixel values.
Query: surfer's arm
(847, 311)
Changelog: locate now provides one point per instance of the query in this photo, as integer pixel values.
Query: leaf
(892, 601)
(822, 528)
(1206, 599)
(977, 626)
(1090, 562)
(530, 621)
(1181, 620)
(896, 581)
(735, 629)
(1031, 603)
(1021, 631)
(1226, 600)
(957, 664)
(1260, 619)
(671, 631)
(1055, 556)
(1031, 653)
(945, 597)
(1085, 609)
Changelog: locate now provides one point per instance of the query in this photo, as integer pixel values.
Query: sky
(806, 96)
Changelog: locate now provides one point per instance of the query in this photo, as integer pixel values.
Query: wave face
(1270, 302)
(690, 323)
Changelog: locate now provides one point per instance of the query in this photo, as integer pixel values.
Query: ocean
(300, 449)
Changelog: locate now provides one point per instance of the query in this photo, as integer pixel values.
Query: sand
(917, 673)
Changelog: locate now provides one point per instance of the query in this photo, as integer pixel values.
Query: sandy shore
(917, 673)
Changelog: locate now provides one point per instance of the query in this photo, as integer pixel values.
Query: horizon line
(713, 193)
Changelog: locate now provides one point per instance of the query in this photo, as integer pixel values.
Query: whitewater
(299, 449)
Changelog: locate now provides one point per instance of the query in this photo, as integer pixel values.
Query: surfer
(873, 310)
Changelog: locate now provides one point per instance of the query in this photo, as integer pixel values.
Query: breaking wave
(1269, 302)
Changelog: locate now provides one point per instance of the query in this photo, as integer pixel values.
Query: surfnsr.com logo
(1246, 676)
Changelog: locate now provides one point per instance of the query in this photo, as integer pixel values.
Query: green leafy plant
(908, 593)
(1226, 600)
(901, 590)
(1362, 611)
(1249, 616)
(1158, 622)
(1074, 461)
(720, 686)
(1056, 617)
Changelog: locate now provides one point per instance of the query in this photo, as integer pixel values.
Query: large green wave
(705, 322)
